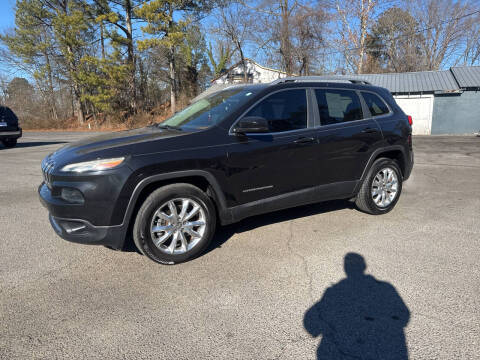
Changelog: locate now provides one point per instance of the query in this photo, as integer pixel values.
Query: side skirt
(340, 190)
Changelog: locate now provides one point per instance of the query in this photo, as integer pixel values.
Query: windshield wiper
(169, 127)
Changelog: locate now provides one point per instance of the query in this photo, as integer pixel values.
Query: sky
(7, 15)
(7, 21)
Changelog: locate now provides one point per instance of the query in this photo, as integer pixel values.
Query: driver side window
(284, 110)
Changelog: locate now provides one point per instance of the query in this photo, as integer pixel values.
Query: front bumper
(80, 230)
(11, 134)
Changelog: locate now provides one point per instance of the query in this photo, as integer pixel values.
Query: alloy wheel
(178, 226)
(384, 187)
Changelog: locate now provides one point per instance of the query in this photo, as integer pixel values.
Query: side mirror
(252, 124)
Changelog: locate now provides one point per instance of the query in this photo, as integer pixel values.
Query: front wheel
(9, 143)
(381, 187)
(174, 224)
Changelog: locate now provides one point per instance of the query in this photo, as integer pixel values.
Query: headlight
(95, 165)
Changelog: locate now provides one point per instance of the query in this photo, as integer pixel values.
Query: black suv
(9, 129)
(239, 152)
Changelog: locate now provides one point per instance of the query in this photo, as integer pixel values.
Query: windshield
(209, 111)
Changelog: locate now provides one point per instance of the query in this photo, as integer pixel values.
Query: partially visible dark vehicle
(9, 129)
(241, 152)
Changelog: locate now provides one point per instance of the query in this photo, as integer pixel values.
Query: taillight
(410, 120)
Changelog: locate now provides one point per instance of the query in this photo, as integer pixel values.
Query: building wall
(257, 74)
(456, 113)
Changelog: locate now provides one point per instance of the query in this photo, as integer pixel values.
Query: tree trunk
(132, 88)
(244, 63)
(77, 104)
(285, 44)
(363, 37)
(51, 93)
(78, 109)
(102, 40)
(173, 80)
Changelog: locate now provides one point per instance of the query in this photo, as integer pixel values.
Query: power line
(403, 35)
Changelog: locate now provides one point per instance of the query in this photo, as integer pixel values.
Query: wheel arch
(395, 152)
(199, 178)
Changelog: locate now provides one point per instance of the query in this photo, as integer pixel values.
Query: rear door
(347, 137)
(278, 162)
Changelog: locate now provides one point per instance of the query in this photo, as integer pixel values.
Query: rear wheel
(9, 143)
(174, 224)
(381, 187)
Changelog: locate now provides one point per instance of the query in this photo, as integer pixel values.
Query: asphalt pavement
(270, 287)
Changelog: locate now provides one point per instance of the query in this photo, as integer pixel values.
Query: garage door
(420, 108)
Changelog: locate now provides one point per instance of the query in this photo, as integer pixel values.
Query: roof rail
(326, 78)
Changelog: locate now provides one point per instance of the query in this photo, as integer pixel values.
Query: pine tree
(167, 22)
(121, 19)
(32, 42)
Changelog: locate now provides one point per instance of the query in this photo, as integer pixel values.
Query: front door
(278, 162)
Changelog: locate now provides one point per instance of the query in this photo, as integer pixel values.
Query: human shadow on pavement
(360, 317)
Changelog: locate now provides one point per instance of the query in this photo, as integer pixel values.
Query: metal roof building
(467, 76)
(441, 102)
(414, 82)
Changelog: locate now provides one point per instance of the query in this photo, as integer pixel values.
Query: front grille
(48, 165)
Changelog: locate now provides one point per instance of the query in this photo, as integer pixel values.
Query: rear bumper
(80, 230)
(10, 134)
(409, 166)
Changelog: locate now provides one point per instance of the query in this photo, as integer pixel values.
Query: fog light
(72, 195)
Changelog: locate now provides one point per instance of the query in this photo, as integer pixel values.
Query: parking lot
(259, 291)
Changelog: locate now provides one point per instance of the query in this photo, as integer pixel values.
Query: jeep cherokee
(239, 152)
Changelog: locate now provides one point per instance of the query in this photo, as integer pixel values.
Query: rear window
(337, 106)
(376, 105)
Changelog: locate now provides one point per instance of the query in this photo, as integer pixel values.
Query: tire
(369, 198)
(156, 213)
(9, 143)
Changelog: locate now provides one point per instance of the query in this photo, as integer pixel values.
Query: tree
(234, 26)
(355, 17)
(31, 41)
(20, 95)
(445, 25)
(290, 33)
(275, 30)
(103, 81)
(471, 53)
(119, 14)
(224, 54)
(167, 21)
(395, 42)
(192, 60)
(308, 37)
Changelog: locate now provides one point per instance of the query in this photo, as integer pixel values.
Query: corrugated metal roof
(424, 81)
(467, 76)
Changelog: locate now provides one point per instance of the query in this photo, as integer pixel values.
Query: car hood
(117, 139)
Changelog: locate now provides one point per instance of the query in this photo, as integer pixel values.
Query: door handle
(369, 130)
(304, 140)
